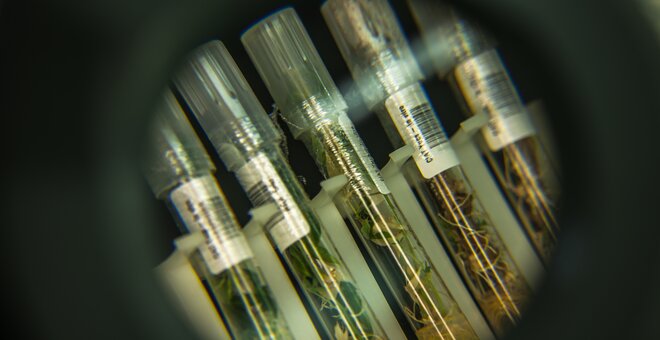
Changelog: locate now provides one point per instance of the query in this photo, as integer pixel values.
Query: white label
(263, 185)
(487, 88)
(202, 207)
(419, 127)
(364, 155)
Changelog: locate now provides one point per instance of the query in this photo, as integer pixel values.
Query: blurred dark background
(82, 230)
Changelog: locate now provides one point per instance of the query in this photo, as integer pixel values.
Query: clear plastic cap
(225, 105)
(174, 152)
(450, 37)
(373, 45)
(292, 70)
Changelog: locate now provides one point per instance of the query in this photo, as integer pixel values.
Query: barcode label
(487, 88)
(363, 154)
(202, 207)
(416, 122)
(264, 185)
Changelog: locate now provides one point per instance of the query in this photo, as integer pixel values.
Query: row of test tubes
(385, 71)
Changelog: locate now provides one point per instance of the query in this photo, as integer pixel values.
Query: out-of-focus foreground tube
(179, 171)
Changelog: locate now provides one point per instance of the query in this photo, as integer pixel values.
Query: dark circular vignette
(81, 77)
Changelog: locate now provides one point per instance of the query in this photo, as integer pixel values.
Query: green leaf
(326, 256)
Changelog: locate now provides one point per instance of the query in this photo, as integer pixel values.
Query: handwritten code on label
(418, 126)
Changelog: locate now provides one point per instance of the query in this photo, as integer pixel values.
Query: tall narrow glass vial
(464, 54)
(248, 143)
(316, 114)
(382, 64)
(179, 171)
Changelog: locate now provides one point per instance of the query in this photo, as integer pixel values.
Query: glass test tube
(464, 54)
(382, 64)
(248, 143)
(179, 171)
(316, 114)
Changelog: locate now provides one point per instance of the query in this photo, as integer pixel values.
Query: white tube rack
(189, 294)
(494, 203)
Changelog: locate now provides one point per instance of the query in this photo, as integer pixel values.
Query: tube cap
(174, 152)
(224, 104)
(450, 38)
(373, 45)
(292, 69)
